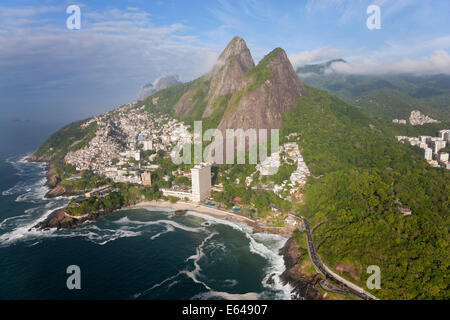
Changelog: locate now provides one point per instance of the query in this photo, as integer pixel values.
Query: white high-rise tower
(201, 182)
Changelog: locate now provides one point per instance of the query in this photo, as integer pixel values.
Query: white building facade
(201, 182)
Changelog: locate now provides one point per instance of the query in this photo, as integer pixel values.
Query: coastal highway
(328, 273)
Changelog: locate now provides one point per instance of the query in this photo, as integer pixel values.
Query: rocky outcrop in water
(34, 158)
(53, 180)
(304, 285)
(59, 219)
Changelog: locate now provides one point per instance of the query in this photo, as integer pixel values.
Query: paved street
(328, 273)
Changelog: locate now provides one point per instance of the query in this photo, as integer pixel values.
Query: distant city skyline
(50, 73)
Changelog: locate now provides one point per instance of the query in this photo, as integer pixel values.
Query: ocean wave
(34, 195)
(159, 209)
(100, 236)
(25, 168)
(276, 262)
(226, 295)
(196, 258)
(169, 228)
(106, 236)
(4, 225)
(231, 282)
(22, 187)
(143, 293)
(27, 231)
(191, 274)
(31, 210)
(266, 245)
(31, 182)
(126, 220)
(240, 226)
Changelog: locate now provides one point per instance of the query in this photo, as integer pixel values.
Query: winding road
(328, 273)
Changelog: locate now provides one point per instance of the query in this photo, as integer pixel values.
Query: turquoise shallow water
(130, 254)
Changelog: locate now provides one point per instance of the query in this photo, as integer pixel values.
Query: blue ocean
(131, 254)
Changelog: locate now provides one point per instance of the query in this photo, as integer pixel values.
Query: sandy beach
(216, 213)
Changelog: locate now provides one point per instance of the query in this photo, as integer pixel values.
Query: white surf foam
(231, 282)
(226, 296)
(27, 231)
(3, 223)
(266, 245)
(35, 194)
(126, 220)
(140, 294)
(169, 228)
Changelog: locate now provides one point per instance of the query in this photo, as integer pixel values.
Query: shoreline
(59, 219)
(53, 183)
(213, 212)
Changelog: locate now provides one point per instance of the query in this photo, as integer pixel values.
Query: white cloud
(111, 57)
(317, 55)
(436, 63)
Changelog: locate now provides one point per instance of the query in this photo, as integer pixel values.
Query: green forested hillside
(70, 138)
(388, 97)
(361, 176)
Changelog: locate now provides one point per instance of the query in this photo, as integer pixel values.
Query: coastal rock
(290, 253)
(34, 158)
(57, 219)
(54, 181)
(52, 178)
(55, 192)
(304, 285)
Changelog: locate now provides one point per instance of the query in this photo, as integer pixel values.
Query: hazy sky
(48, 72)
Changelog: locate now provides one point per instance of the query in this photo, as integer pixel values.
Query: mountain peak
(265, 94)
(234, 48)
(159, 84)
(236, 94)
(234, 62)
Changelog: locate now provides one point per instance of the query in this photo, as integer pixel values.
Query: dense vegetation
(429, 129)
(388, 97)
(70, 138)
(232, 177)
(361, 176)
(87, 181)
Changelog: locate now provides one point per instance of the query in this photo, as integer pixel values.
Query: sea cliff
(56, 189)
(304, 285)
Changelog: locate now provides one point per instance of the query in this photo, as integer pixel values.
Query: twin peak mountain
(236, 94)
